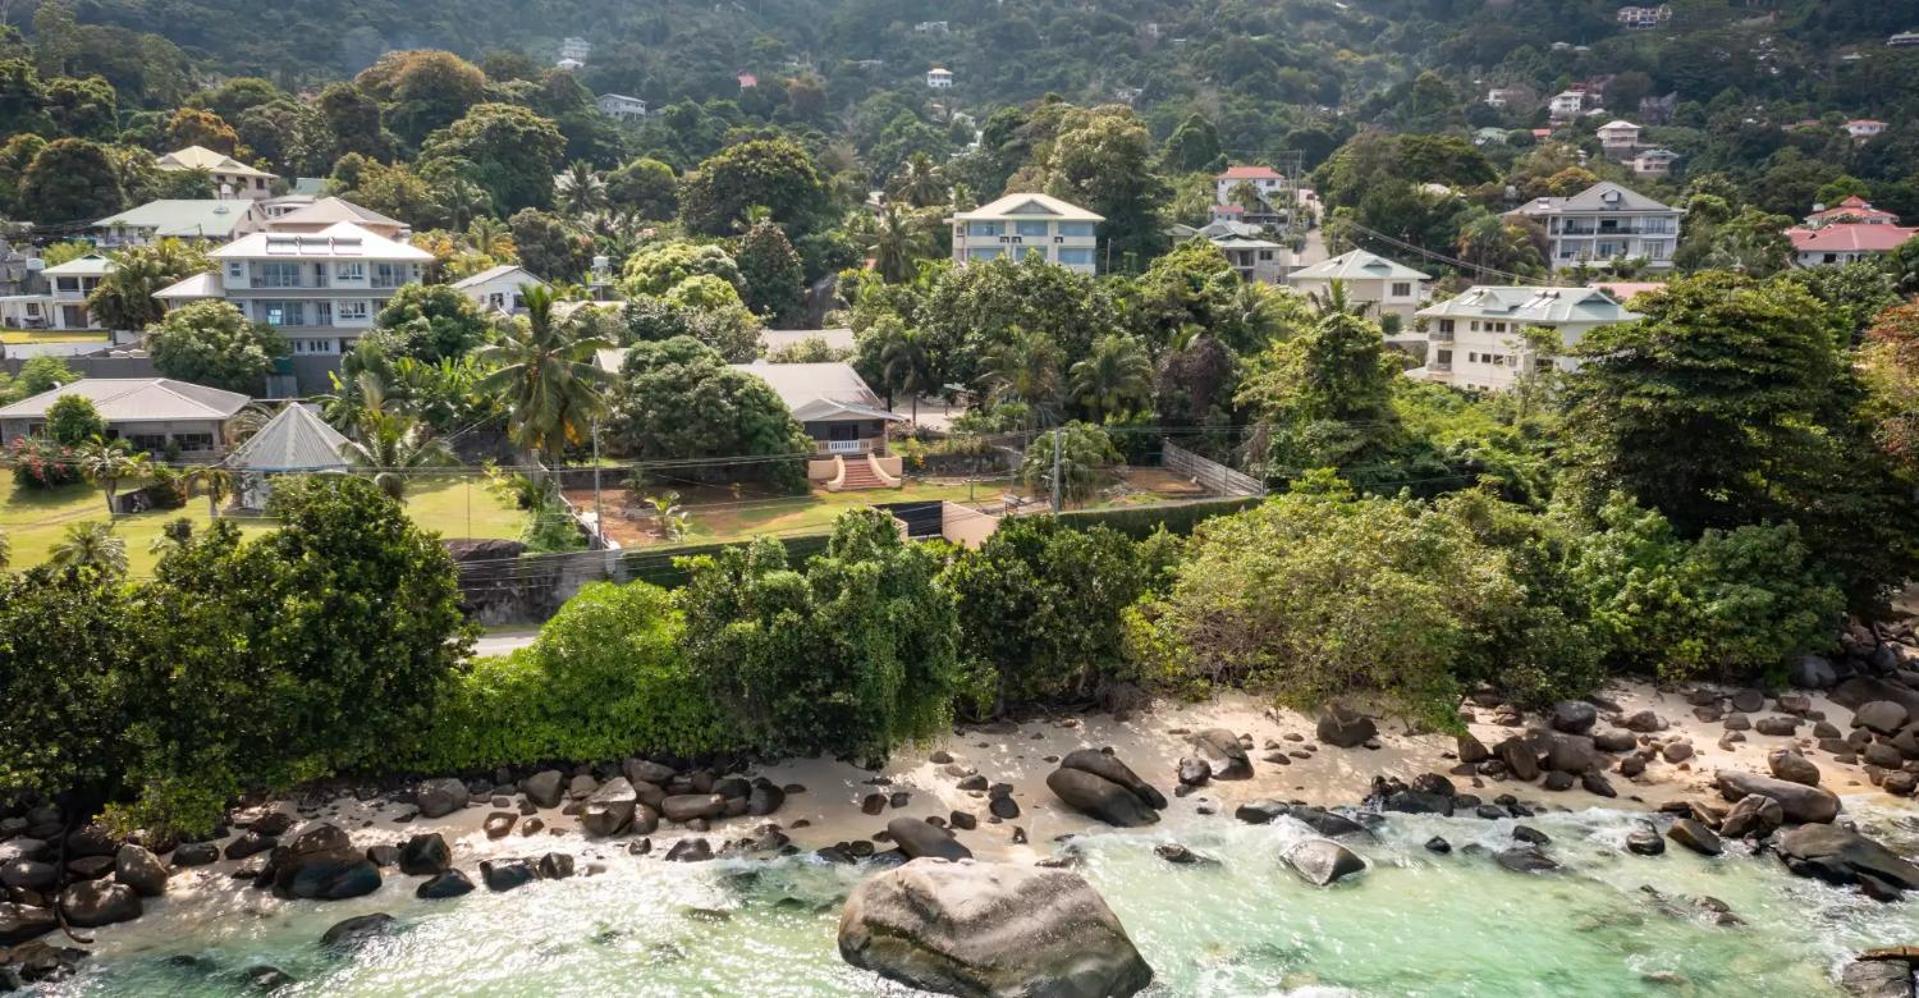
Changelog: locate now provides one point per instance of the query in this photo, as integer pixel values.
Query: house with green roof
(1485, 338)
(1386, 288)
(197, 219)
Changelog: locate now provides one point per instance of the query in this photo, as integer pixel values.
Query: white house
(939, 78)
(68, 286)
(1481, 339)
(1654, 163)
(1604, 223)
(497, 289)
(1566, 106)
(1028, 226)
(151, 414)
(620, 106)
(1255, 259)
(231, 178)
(576, 49)
(193, 219)
(321, 291)
(321, 214)
(1640, 18)
(1387, 288)
(1264, 179)
(1862, 129)
(1618, 138)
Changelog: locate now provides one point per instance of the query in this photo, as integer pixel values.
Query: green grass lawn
(717, 514)
(34, 521)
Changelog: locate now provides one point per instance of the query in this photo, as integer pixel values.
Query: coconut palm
(906, 365)
(547, 376)
(581, 192)
(669, 514)
(91, 545)
(1113, 378)
(1337, 301)
(218, 483)
(392, 445)
(107, 463)
(919, 182)
(1026, 369)
(491, 236)
(897, 240)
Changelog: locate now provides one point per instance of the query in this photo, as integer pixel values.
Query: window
(237, 270)
(1472, 357)
(323, 313)
(496, 300)
(987, 229)
(194, 441)
(1030, 229)
(67, 283)
(352, 310)
(1445, 356)
(355, 271)
(277, 274)
(1076, 230)
(33, 310)
(148, 441)
(1402, 289)
(387, 275)
(1445, 325)
(1076, 256)
(985, 253)
(1265, 255)
(282, 313)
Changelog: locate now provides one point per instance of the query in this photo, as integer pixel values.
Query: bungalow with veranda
(158, 415)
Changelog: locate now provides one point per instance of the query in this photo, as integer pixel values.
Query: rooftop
(1360, 265)
(491, 274)
(1029, 206)
(91, 265)
(293, 440)
(799, 384)
(136, 400)
(1849, 237)
(330, 210)
(197, 218)
(205, 285)
(342, 240)
(1250, 173)
(1531, 305)
(1602, 196)
(202, 158)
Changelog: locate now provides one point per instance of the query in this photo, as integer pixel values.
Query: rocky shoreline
(1705, 765)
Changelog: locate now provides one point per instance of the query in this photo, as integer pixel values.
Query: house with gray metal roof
(1485, 338)
(1605, 224)
(198, 219)
(157, 415)
(295, 441)
(1386, 287)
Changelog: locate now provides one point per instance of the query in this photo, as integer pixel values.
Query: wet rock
(1557, 780)
(450, 884)
(1695, 836)
(249, 844)
(544, 788)
(1632, 766)
(688, 807)
(1520, 759)
(918, 840)
(1839, 856)
(93, 903)
(138, 868)
(1596, 784)
(1524, 859)
(439, 798)
(425, 855)
(695, 850)
(1179, 855)
(1438, 845)
(1342, 727)
(1004, 808)
(357, 930)
(1644, 840)
(1789, 765)
(20, 923)
(1877, 979)
(506, 874)
(1801, 804)
(499, 824)
(1323, 861)
(608, 810)
(195, 854)
(764, 799)
(1098, 797)
(1531, 835)
(554, 866)
(1752, 816)
(1194, 772)
(265, 978)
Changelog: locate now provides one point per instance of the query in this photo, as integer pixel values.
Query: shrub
(606, 678)
(39, 463)
(72, 420)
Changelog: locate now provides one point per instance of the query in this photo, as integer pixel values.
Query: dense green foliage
(678, 399)
(212, 343)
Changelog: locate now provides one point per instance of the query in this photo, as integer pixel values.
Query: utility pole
(1056, 464)
(599, 517)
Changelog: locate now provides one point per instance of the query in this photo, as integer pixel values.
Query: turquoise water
(1414, 923)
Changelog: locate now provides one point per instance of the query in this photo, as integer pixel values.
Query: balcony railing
(1440, 366)
(1440, 335)
(865, 445)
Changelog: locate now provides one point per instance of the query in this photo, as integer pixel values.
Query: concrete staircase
(859, 475)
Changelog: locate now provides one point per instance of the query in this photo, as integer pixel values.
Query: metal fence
(1208, 472)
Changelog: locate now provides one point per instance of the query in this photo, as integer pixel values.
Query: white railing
(847, 446)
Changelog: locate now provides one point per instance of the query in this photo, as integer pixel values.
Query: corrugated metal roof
(196, 218)
(1359, 265)
(136, 400)
(1531, 305)
(293, 440)
(1029, 206)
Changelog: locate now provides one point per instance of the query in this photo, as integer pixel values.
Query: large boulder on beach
(1109, 767)
(1224, 754)
(1342, 727)
(1789, 765)
(1323, 861)
(20, 923)
(138, 868)
(425, 855)
(1097, 797)
(439, 798)
(1573, 717)
(358, 929)
(608, 811)
(1877, 979)
(987, 930)
(687, 807)
(92, 903)
(1519, 758)
(1328, 823)
(920, 839)
(544, 788)
(1881, 716)
(1839, 856)
(1800, 804)
(450, 884)
(1564, 753)
(319, 863)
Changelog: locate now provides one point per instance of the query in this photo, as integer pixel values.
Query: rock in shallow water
(1801, 804)
(982, 929)
(1323, 861)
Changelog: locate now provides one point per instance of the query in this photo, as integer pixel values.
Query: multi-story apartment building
(1606, 223)
(1484, 339)
(1028, 226)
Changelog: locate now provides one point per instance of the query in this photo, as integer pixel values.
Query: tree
(424, 90)
(582, 191)
(1102, 161)
(919, 182)
(1325, 396)
(906, 364)
(1890, 366)
(1026, 370)
(1115, 379)
(124, 298)
(211, 343)
(71, 180)
(192, 126)
(91, 546)
(776, 174)
(431, 322)
(645, 187)
(774, 284)
(355, 121)
(549, 247)
(393, 445)
(68, 641)
(660, 267)
(72, 420)
(85, 107)
(853, 654)
(107, 463)
(678, 399)
(1084, 452)
(897, 239)
(548, 377)
(513, 153)
(1194, 146)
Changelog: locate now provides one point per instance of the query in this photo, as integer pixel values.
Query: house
(1027, 226)
(212, 219)
(1499, 97)
(1618, 138)
(1264, 180)
(321, 214)
(1640, 18)
(939, 79)
(497, 289)
(68, 286)
(569, 65)
(1257, 260)
(931, 27)
(575, 48)
(1654, 163)
(1903, 39)
(1837, 243)
(1863, 129)
(1480, 340)
(1853, 209)
(231, 178)
(747, 81)
(620, 106)
(1387, 288)
(157, 415)
(294, 442)
(1566, 106)
(1604, 223)
(320, 290)
(847, 421)
(1489, 136)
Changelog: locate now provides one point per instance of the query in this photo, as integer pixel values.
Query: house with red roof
(1862, 129)
(1853, 209)
(1844, 242)
(1264, 179)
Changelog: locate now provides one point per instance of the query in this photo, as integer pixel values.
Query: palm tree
(897, 239)
(91, 545)
(1336, 301)
(491, 236)
(218, 483)
(906, 364)
(919, 182)
(109, 462)
(1026, 369)
(581, 191)
(390, 445)
(668, 513)
(547, 376)
(1113, 376)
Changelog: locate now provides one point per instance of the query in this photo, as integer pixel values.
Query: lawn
(718, 514)
(35, 521)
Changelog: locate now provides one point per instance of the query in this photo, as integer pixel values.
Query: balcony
(1440, 335)
(864, 445)
(1439, 366)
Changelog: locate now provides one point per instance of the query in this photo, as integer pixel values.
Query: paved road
(501, 642)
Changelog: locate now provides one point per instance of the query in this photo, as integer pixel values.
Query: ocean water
(1414, 923)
